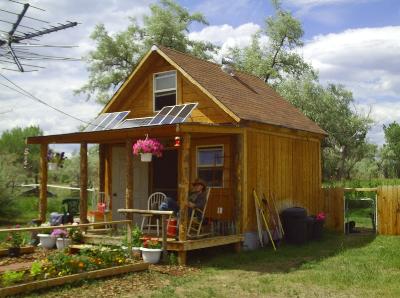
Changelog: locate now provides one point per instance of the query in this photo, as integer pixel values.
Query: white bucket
(151, 255)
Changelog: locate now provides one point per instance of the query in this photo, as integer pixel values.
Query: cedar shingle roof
(245, 95)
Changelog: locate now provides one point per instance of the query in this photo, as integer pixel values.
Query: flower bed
(60, 267)
(24, 250)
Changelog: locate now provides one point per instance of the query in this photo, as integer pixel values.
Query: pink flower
(321, 216)
(148, 146)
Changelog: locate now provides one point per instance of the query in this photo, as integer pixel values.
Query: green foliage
(15, 239)
(173, 259)
(115, 56)
(332, 108)
(12, 277)
(36, 269)
(390, 152)
(13, 142)
(76, 235)
(274, 61)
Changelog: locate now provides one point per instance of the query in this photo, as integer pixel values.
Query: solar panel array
(106, 121)
(167, 115)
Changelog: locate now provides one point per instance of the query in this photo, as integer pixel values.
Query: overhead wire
(22, 91)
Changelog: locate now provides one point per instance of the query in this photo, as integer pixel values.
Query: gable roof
(242, 96)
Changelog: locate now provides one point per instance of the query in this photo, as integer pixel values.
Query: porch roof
(117, 135)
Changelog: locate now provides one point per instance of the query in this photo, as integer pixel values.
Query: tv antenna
(16, 47)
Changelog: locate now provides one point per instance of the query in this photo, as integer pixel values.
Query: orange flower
(81, 264)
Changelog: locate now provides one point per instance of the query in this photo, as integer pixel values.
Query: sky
(351, 42)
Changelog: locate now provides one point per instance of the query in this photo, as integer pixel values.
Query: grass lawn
(338, 266)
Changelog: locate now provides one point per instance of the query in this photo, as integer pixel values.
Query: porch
(128, 182)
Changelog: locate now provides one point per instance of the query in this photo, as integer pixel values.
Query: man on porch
(196, 199)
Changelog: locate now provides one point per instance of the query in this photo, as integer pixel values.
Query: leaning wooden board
(57, 281)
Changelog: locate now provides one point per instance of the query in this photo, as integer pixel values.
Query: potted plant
(318, 226)
(55, 159)
(61, 236)
(151, 250)
(47, 241)
(147, 148)
(15, 240)
(136, 241)
(76, 235)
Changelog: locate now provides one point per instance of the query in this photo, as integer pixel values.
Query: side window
(210, 165)
(164, 89)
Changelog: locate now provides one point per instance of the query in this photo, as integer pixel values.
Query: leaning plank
(57, 281)
(24, 250)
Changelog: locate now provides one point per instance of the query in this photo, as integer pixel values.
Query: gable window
(210, 165)
(164, 89)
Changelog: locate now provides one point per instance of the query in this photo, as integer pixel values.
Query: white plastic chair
(153, 203)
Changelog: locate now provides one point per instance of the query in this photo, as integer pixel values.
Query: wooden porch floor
(172, 244)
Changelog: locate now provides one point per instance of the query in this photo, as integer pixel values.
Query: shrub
(12, 277)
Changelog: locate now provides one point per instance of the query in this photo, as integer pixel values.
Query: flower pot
(62, 243)
(14, 252)
(146, 157)
(151, 255)
(52, 166)
(47, 241)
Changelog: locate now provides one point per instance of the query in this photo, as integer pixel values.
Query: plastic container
(171, 227)
(296, 224)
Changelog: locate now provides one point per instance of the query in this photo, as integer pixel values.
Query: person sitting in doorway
(196, 199)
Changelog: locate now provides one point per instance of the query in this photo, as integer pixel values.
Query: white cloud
(56, 83)
(227, 36)
(314, 3)
(367, 62)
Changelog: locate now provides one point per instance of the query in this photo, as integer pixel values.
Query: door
(140, 183)
(140, 186)
(165, 173)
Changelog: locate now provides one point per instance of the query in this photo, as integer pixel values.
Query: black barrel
(296, 225)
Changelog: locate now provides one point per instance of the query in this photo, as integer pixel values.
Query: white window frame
(164, 90)
(198, 166)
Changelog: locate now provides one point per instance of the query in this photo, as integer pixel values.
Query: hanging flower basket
(55, 159)
(147, 148)
(146, 157)
(53, 166)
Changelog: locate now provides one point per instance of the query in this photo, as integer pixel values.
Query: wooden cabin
(240, 136)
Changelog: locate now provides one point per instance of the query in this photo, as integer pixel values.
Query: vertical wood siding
(389, 210)
(138, 96)
(286, 167)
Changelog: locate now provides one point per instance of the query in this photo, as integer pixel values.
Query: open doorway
(360, 212)
(165, 174)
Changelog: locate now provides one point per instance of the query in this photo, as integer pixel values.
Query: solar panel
(136, 122)
(106, 121)
(161, 115)
(118, 118)
(184, 113)
(173, 114)
(95, 122)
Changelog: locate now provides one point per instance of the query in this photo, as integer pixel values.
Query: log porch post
(238, 188)
(183, 189)
(83, 203)
(43, 182)
(129, 178)
(102, 166)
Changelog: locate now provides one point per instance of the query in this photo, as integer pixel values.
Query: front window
(164, 89)
(210, 165)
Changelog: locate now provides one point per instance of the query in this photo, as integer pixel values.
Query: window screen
(164, 90)
(210, 165)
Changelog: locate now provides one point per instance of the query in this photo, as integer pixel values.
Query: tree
(332, 109)
(390, 153)
(12, 144)
(115, 56)
(275, 60)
